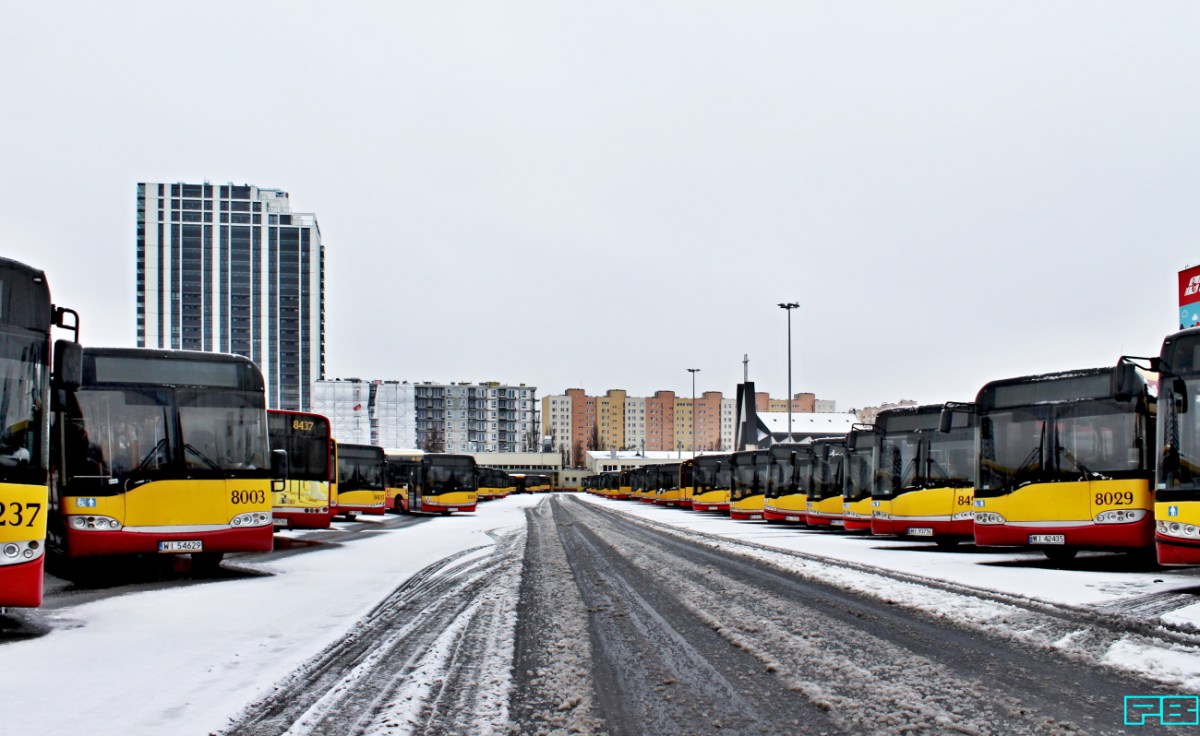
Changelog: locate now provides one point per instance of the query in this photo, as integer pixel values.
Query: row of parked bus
(1092, 459)
(110, 452)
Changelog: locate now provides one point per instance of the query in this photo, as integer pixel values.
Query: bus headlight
(962, 516)
(15, 552)
(1120, 516)
(881, 515)
(94, 523)
(251, 519)
(1175, 529)
(988, 517)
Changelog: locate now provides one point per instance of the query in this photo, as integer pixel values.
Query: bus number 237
(19, 514)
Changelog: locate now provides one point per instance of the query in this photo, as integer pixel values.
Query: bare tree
(432, 440)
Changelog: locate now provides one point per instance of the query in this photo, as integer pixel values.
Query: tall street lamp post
(693, 371)
(789, 306)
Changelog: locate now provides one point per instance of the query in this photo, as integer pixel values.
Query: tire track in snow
(402, 668)
(879, 668)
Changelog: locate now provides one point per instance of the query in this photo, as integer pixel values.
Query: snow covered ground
(185, 660)
(1093, 583)
(189, 659)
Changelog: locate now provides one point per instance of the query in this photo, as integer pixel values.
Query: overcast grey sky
(602, 195)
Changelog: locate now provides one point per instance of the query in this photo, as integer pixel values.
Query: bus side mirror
(1125, 381)
(1179, 391)
(946, 420)
(68, 364)
(852, 442)
(279, 465)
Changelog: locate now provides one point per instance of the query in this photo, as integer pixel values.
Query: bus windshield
(1058, 442)
(113, 435)
(306, 441)
(827, 475)
(223, 430)
(897, 463)
(857, 484)
(452, 475)
(359, 470)
(1179, 464)
(22, 371)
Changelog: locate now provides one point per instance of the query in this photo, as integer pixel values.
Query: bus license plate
(1047, 539)
(920, 531)
(279, 522)
(191, 545)
(452, 510)
(838, 522)
(792, 518)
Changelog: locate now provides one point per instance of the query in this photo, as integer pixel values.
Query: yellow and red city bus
(687, 482)
(26, 316)
(1064, 463)
(608, 485)
(924, 478)
(747, 493)
(442, 484)
(711, 479)
(640, 483)
(532, 483)
(360, 479)
(786, 496)
(858, 478)
(825, 501)
(669, 488)
(163, 452)
(625, 483)
(493, 484)
(589, 484)
(1177, 485)
(303, 502)
(400, 464)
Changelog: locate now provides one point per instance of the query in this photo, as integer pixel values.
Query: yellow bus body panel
(930, 503)
(860, 509)
(797, 502)
(714, 496)
(749, 503)
(1186, 512)
(367, 499)
(177, 502)
(20, 523)
(1071, 501)
(675, 495)
(456, 498)
(827, 506)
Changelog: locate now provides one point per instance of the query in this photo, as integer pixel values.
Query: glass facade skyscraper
(232, 269)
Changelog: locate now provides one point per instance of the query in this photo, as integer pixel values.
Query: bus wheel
(1060, 554)
(207, 564)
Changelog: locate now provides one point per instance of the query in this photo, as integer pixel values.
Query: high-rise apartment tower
(232, 269)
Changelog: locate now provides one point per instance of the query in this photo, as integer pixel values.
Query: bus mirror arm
(946, 420)
(1126, 383)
